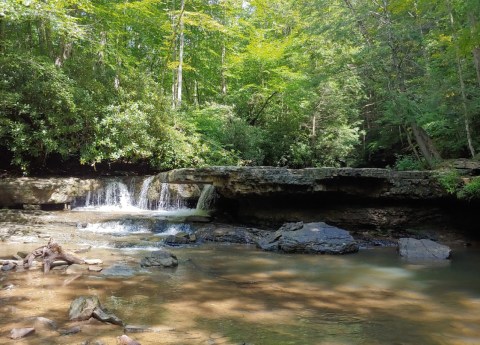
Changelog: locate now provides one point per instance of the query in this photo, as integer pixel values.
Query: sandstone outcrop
(233, 182)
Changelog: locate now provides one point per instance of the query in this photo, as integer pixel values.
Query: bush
(471, 190)
(408, 162)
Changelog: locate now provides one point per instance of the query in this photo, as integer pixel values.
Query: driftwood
(50, 253)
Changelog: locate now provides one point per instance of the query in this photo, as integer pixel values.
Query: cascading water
(207, 198)
(142, 202)
(115, 194)
(119, 195)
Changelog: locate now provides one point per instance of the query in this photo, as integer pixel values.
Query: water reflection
(231, 294)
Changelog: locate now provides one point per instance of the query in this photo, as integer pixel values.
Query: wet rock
(119, 270)
(44, 323)
(424, 249)
(93, 261)
(229, 234)
(85, 307)
(22, 254)
(174, 240)
(95, 268)
(198, 219)
(318, 238)
(75, 269)
(160, 258)
(70, 331)
(146, 329)
(8, 266)
(104, 316)
(136, 329)
(93, 342)
(82, 308)
(126, 340)
(18, 333)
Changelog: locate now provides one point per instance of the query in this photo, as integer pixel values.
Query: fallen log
(51, 254)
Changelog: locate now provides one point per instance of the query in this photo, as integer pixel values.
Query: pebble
(18, 333)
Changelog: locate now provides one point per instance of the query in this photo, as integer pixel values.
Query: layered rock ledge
(233, 182)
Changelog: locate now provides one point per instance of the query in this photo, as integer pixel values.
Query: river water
(236, 294)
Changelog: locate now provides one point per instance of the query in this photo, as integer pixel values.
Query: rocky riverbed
(195, 302)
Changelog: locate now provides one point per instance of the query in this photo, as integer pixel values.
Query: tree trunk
(50, 253)
(425, 144)
(476, 60)
(3, 34)
(224, 80)
(466, 120)
(180, 56)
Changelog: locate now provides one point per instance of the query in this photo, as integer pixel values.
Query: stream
(231, 294)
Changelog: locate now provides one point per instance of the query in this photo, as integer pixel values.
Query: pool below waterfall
(237, 294)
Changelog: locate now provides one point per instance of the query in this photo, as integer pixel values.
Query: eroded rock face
(317, 238)
(232, 182)
(425, 249)
(43, 191)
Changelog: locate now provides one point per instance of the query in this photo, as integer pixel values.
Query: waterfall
(164, 201)
(114, 194)
(131, 195)
(207, 198)
(142, 201)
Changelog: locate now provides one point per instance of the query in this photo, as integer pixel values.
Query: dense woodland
(186, 83)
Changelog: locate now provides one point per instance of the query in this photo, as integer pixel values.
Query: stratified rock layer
(231, 182)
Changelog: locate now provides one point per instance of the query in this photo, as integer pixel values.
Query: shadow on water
(230, 294)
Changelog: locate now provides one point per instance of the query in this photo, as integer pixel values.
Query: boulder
(318, 238)
(159, 258)
(178, 239)
(424, 249)
(82, 308)
(104, 316)
(85, 307)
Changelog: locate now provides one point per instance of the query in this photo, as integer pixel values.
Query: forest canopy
(187, 83)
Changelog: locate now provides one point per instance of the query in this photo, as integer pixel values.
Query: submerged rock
(44, 323)
(225, 233)
(126, 340)
(318, 238)
(119, 270)
(70, 331)
(423, 249)
(18, 333)
(160, 258)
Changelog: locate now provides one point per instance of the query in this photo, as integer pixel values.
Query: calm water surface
(225, 294)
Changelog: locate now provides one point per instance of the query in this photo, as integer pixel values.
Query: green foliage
(450, 180)
(283, 82)
(464, 189)
(408, 162)
(471, 190)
